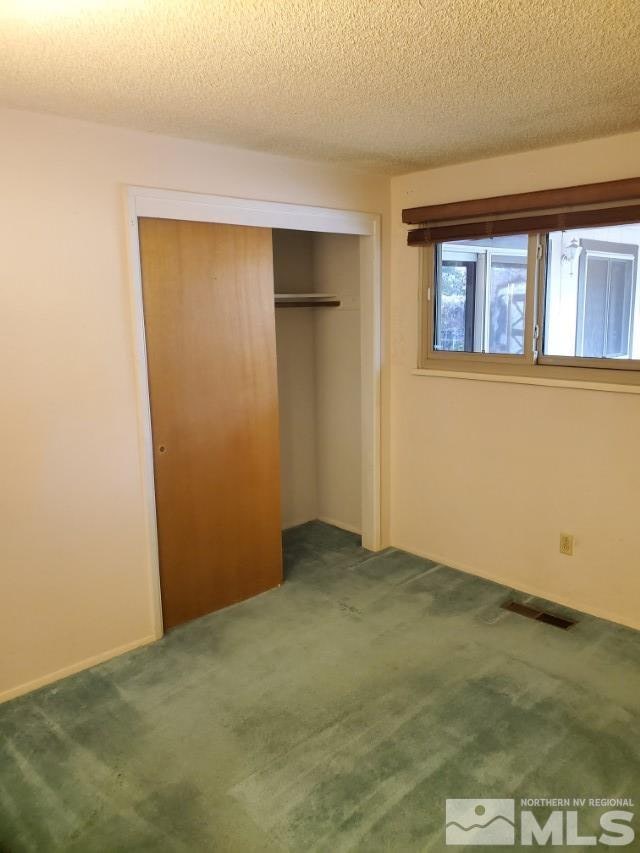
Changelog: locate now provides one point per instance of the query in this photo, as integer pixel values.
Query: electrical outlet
(566, 544)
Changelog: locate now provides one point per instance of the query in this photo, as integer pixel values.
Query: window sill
(514, 379)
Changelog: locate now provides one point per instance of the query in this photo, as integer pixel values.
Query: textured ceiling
(390, 85)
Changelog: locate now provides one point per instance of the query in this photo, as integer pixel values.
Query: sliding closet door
(210, 333)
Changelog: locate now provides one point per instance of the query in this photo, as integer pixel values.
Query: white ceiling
(389, 85)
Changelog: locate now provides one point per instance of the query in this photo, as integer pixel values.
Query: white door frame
(170, 204)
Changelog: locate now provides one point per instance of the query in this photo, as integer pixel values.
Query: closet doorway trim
(171, 204)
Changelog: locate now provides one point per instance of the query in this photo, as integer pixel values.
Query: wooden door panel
(210, 333)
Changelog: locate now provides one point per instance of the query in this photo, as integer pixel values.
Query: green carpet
(335, 713)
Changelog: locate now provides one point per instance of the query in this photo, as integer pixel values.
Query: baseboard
(334, 523)
(73, 668)
(289, 524)
(574, 604)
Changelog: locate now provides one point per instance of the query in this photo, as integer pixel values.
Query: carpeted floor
(335, 713)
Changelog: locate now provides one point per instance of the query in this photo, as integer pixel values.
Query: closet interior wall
(319, 378)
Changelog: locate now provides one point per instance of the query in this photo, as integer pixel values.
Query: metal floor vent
(538, 615)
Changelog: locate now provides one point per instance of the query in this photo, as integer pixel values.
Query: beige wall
(338, 412)
(295, 342)
(75, 580)
(296, 348)
(485, 476)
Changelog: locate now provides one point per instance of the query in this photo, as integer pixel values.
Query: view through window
(589, 297)
(481, 295)
(592, 306)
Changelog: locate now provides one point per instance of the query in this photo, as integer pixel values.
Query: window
(481, 295)
(563, 298)
(536, 281)
(591, 293)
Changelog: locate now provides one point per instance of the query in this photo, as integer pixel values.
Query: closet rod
(306, 300)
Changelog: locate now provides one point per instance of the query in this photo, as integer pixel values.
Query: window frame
(533, 361)
(612, 365)
(428, 353)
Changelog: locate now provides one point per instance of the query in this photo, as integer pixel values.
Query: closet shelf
(306, 300)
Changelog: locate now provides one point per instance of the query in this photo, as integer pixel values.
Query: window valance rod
(525, 224)
(601, 193)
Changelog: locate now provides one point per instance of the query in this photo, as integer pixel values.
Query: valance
(591, 205)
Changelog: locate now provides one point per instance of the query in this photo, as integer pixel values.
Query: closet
(317, 284)
(253, 357)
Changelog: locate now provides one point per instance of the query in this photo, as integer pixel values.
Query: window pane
(480, 295)
(455, 305)
(592, 309)
(508, 286)
(619, 309)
